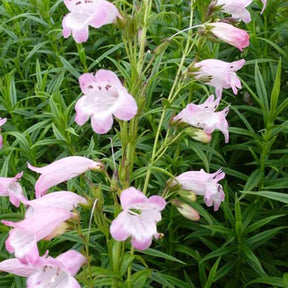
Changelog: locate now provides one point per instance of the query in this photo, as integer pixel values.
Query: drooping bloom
(61, 199)
(44, 219)
(83, 13)
(47, 271)
(11, 187)
(230, 34)
(104, 96)
(2, 122)
(138, 218)
(219, 74)
(62, 170)
(236, 8)
(204, 116)
(205, 184)
(37, 225)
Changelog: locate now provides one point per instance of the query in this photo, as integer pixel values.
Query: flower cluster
(44, 219)
(105, 98)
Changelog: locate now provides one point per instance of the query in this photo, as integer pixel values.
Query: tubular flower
(219, 74)
(62, 170)
(104, 96)
(37, 225)
(204, 116)
(61, 199)
(2, 122)
(230, 34)
(138, 218)
(47, 271)
(205, 184)
(44, 219)
(236, 8)
(10, 187)
(83, 13)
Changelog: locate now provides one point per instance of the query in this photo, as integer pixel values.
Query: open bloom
(2, 122)
(11, 187)
(236, 8)
(204, 116)
(205, 184)
(62, 170)
(37, 225)
(104, 96)
(230, 34)
(47, 271)
(83, 13)
(219, 74)
(44, 219)
(138, 218)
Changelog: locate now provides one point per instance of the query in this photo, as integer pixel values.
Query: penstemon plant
(126, 205)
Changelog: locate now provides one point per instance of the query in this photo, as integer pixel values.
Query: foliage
(244, 244)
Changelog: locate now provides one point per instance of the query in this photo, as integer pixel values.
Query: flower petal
(61, 199)
(60, 171)
(107, 76)
(102, 122)
(126, 107)
(14, 266)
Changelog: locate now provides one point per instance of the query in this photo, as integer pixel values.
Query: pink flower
(83, 13)
(62, 170)
(236, 8)
(44, 219)
(61, 199)
(10, 187)
(219, 74)
(204, 116)
(205, 184)
(2, 122)
(138, 218)
(37, 225)
(230, 34)
(104, 96)
(48, 271)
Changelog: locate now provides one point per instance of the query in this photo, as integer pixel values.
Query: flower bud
(186, 210)
(199, 135)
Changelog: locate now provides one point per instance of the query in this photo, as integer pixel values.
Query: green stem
(170, 99)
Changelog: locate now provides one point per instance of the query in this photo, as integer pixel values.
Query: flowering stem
(170, 97)
(148, 5)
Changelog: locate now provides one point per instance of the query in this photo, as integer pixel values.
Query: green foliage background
(244, 244)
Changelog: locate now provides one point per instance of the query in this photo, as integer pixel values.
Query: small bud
(186, 210)
(98, 167)
(189, 195)
(161, 48)
(198, 135)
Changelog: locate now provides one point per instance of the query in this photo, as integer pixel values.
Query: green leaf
(282, 197)
(273, 281)
(253, 180)
(275, 93)
(139, 278)
(253, 261)
(212, 274)
(156, 253)
(261, 91)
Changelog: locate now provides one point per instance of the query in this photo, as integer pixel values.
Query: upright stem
(170, 98)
